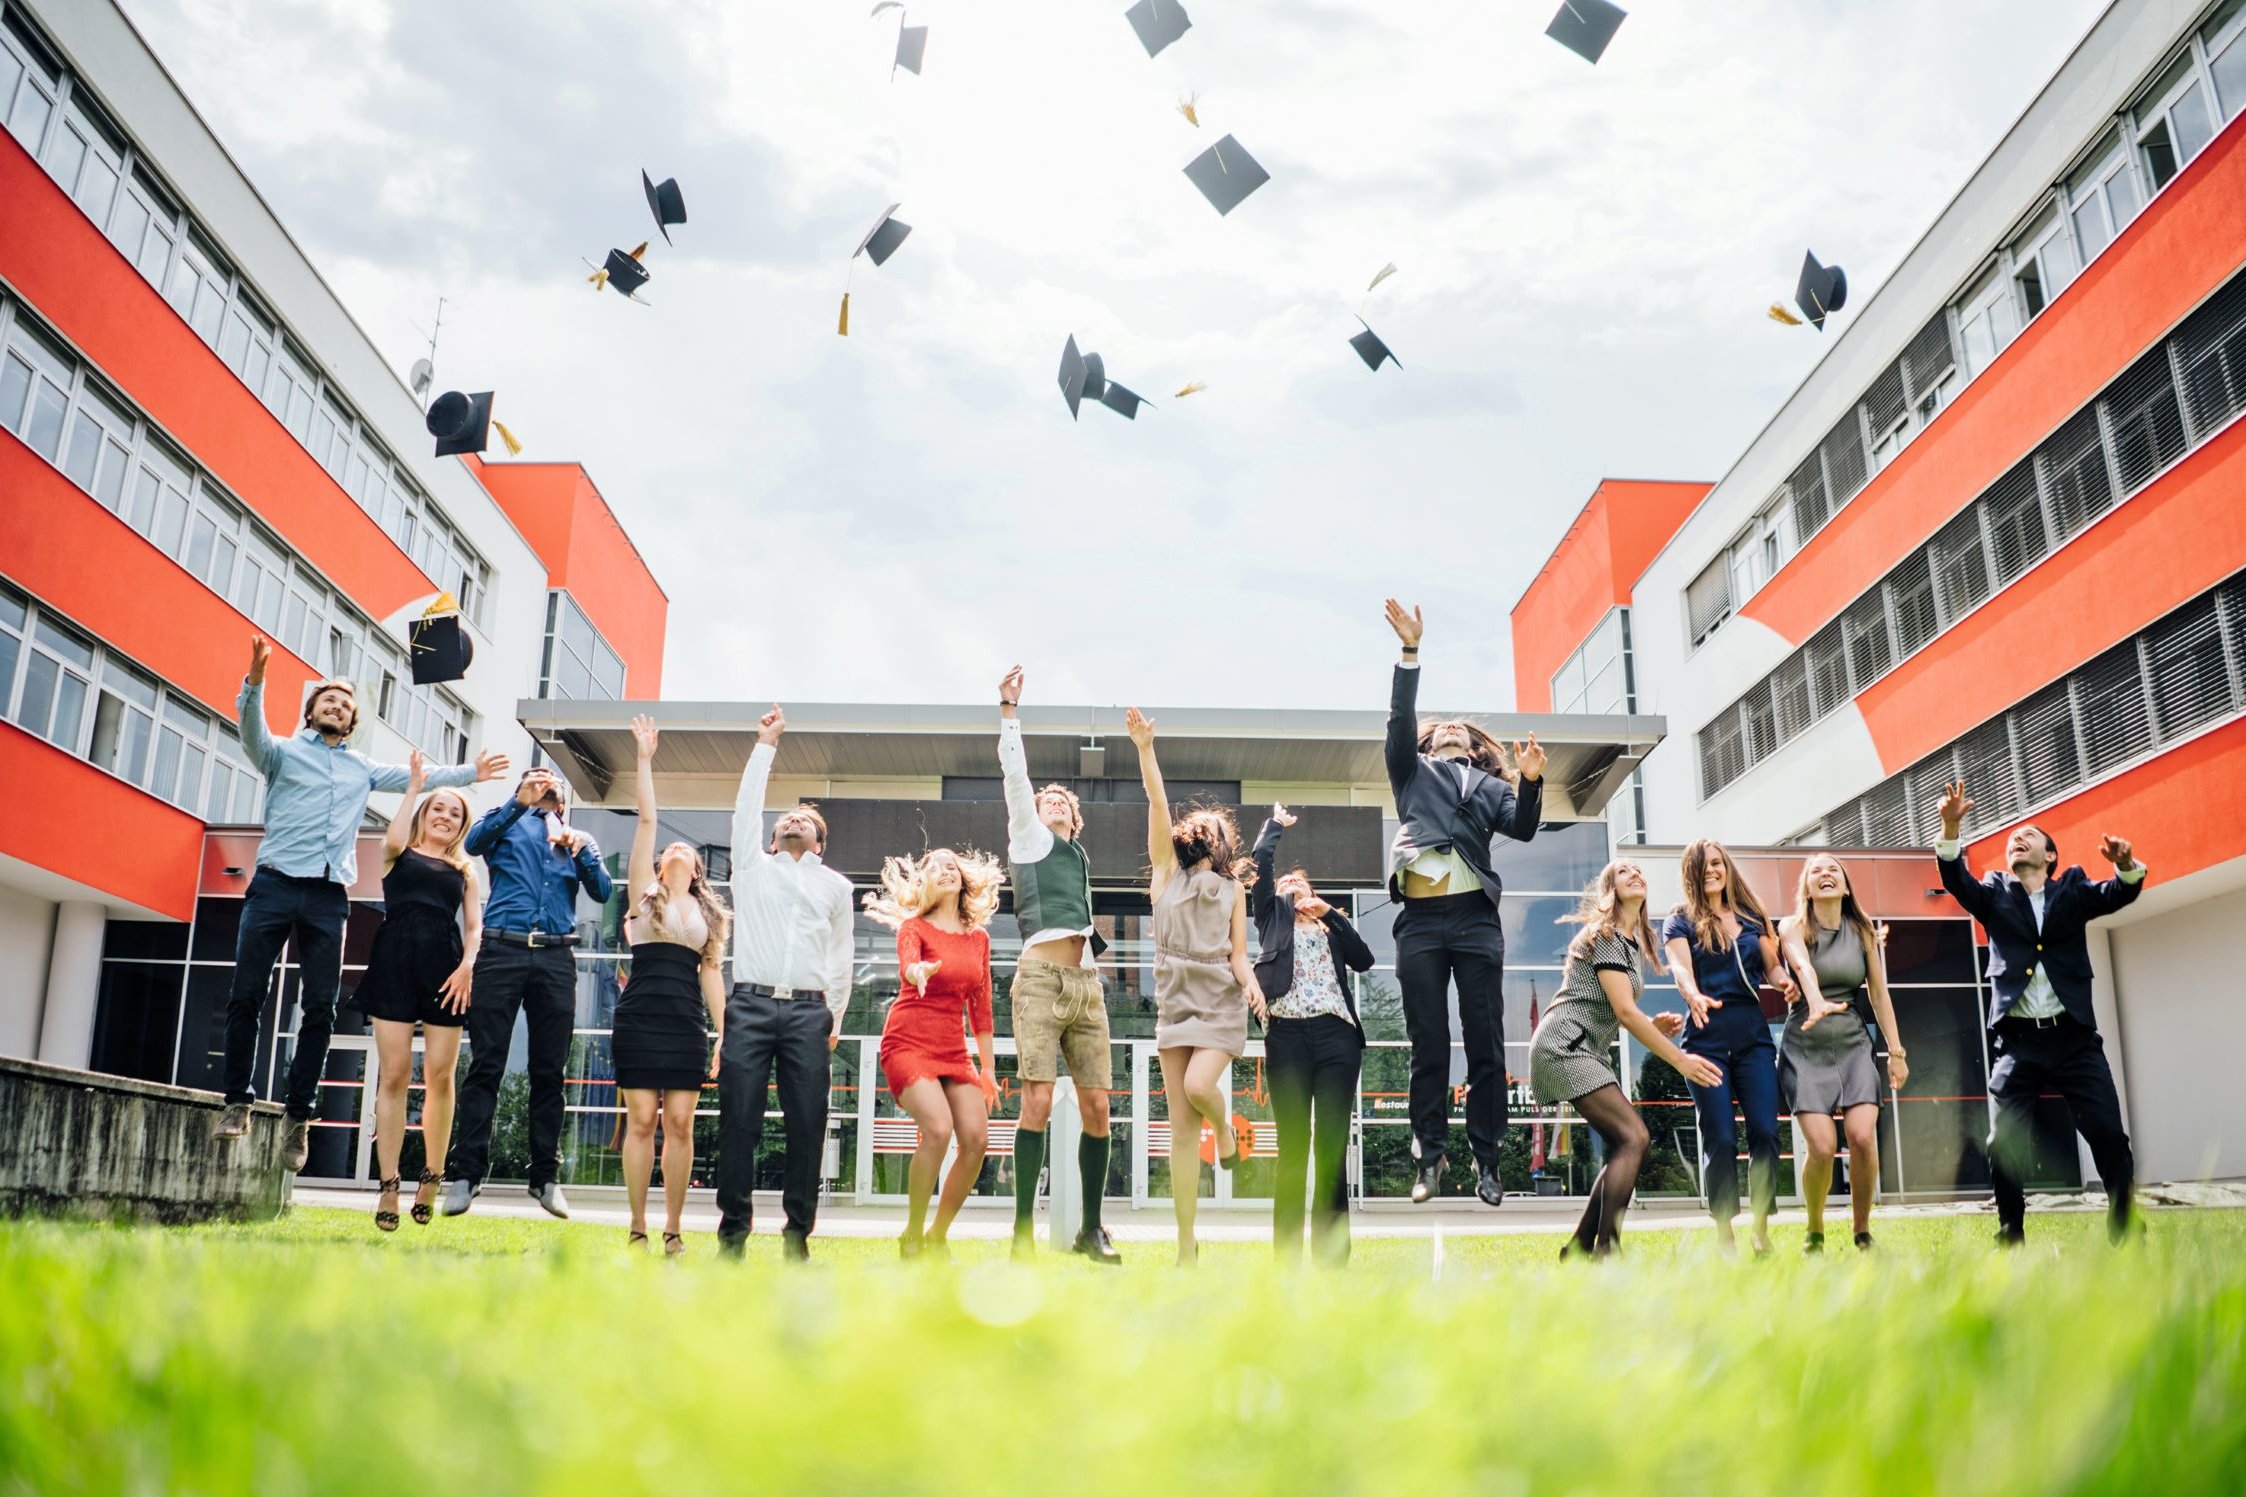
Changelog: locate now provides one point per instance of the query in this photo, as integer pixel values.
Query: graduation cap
(1226, 174)
(1371, 349)
(1075, 372)
(460, 423)
(438, 643)
(622, 272)
(1158, 23)
(1084, 377)
(912, 46)
(880, 243)
(1585, 27)
(665, 201)
(1822, 289)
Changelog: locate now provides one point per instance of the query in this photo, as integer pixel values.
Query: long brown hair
(1706, 917)
(1482, 751)
(1851, 913)
(654, 906)
(1600, 914)
(1208, 834)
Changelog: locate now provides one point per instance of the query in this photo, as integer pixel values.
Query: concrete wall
(27, 932)
(2177, 1005)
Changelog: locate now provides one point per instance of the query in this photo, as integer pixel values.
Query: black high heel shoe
(387, 1221)
(424, 1210)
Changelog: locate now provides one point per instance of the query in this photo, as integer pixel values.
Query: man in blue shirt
(538, 863)
(316, 795)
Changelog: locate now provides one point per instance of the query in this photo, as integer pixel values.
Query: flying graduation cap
(880, 243)
(622, 272)
(437, 644)
(1226, 174)
(912, 41)
(1158, 23)
(462, 423)
(1084, 377)
(1371, 349)
(1822, 290)
(665, 201)
(1585, 27)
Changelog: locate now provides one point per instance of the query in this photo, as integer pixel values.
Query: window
(1708, 600)
(2175, 125)
(2043, 262)
(1987, 321)
(2226, 55)
(1596, 678)
(30, 78)
(57, 678)
(2104, 197)
(35, 380)
(579, 663)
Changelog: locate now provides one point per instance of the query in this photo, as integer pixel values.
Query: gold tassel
(1185, 107)
(599, 278)
(641, 252)
(514, 448)
(1780, 314)
(842, 327)
(1193, 389)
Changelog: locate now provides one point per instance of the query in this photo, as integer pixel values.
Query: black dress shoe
(1813, 1244)
(2011, 1237)
(1097, 1246)
(1429, 1183)
(795, 1247)
(1490, 1188)
(1863, 1242)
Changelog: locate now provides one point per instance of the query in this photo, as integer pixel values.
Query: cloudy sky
(1584, 255)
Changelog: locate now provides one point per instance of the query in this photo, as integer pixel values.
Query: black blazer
(2016, 948)
(1433, 810)
(1274, 914)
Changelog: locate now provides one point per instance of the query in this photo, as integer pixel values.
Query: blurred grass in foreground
(486, 1355)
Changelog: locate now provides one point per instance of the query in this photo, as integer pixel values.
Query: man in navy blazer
(2042, 1026)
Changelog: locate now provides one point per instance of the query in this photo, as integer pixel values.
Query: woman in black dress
(420, 971)
(661, 1046)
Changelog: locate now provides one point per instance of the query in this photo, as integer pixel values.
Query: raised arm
(1161, 856)
(249, 711)
(1524, 802)
(748, 804)
(1401, 747)
(1266, 855)
(488, 766)
(1027, 838)
(492, 826)
(2128, 879)
(400, 832)
(1949, 853)
(639, 868)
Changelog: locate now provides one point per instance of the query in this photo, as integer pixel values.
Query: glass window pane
(2160, 155)
(2090, 226)
(43, 432)
(131, 225)
(10, 649)
(171, 520)
(165, 782)
(155, 251)
(85, 452)
(69, 646)
(2122, 196)
(70, 711)
(38, 700)
(29, 122)
(2189, 118)
(15, 388)
(200, 538)
(109, 484)
(66, 153)
(2229, 69)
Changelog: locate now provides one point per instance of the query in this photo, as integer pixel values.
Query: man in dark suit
(1452, 796)
(2041, 1023)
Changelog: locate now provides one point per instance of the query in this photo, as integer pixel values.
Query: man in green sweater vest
(1060, 1008)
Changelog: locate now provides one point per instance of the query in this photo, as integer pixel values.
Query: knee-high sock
(1091, 1168)
(1029, 1160)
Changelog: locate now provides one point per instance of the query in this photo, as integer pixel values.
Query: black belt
(2027, 1023)
(778, 995)
(534, 939)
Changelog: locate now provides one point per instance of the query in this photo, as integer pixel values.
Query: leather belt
(780, 995)
(533, 939)
(2051, 1023)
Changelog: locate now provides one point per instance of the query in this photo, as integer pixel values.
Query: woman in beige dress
(1204, 985)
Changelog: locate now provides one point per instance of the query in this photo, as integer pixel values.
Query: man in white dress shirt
(791, 983)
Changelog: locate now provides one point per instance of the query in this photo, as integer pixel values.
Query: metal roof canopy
(705, 746)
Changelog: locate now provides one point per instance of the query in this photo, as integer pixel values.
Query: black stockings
(1626, 1143)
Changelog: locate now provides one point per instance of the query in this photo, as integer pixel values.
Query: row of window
(59, 684)
(2172, 680)
(99, 167)
(2139, 155)
(1596, 678)
(63, 411)
(579, 665)
(2170, 401)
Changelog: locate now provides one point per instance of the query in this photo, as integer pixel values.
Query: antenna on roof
(425, 369)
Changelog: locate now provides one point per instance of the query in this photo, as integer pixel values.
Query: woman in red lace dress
(939, 907)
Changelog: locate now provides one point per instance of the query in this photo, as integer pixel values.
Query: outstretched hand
(1408, 625)
(260, 652)
(1283, 816)
(1530, 757)
(417, 773)
(1952, 808)
(1140, 727)
(2116, 851)
(770, 726)
(1010, 689)
(644, 735)
(490, 766)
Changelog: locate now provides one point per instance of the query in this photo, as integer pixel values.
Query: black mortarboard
(622, 272)
(1585, 27)
(1124, 403)
(1095, 377)
(665, 201)
(882, 239)
(460, 423)
(439, 647)
(912, 46)
(1074, 372)
(1371, 349)
(1158, 23)
(1226, 174)
(1822, 289)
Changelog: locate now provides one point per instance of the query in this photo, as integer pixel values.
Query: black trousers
(764, 1036)
(541, 985)
(310, 912)
(1438, 940)
(1313, 1066)
(2069, 1059)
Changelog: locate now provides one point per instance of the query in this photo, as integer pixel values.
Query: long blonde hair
(906, 891)
(455, 852)
(1600, 914)
(654, 906)
(1707, 924)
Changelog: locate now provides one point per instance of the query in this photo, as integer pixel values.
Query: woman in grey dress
(1828, 1069)
(1570, 1057)
(1204, 985)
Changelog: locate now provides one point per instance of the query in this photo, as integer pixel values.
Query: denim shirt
(316, 793)
(534, 884)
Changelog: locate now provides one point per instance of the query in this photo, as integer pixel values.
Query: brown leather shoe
(233, 1123)
(297, 1146)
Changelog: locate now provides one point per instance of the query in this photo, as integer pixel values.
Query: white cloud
(1584, 258)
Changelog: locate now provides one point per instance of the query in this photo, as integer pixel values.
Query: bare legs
(971, 1126)
(393, 1045)
(944, 1112)
(1627, 1141)
(642, 1106)
(1193, 1082)
(1820, 1140)
(440, 1068)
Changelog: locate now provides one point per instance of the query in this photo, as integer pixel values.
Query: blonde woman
(421, 970)
(660, 1037)
(1828, 1070)
(940, 908)
(1204, 986)
(1571, 1057)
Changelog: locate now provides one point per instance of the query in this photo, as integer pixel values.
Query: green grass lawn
(484, 1355)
